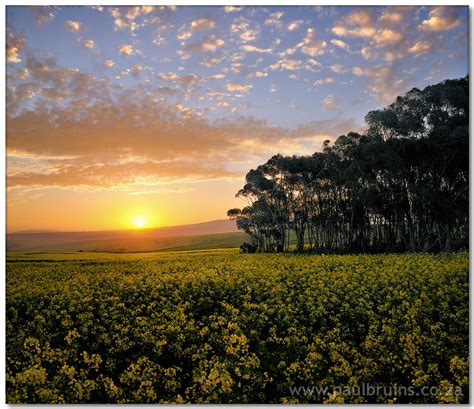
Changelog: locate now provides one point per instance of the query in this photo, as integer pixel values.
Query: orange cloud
(420, 47)
(15, 45)
(74, 26)
(441, 19)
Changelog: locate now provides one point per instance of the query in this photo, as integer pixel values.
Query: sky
(157, 113)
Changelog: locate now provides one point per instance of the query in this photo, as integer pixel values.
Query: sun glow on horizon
(140, 222)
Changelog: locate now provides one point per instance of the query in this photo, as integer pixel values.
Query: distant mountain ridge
(108, 239)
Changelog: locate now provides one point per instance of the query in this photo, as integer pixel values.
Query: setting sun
(139, 222)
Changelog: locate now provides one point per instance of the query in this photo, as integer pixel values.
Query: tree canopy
(401, 185)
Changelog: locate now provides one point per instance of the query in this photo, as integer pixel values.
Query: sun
(140, 221)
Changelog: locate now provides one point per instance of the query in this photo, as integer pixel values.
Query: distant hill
(34, 231)
(213, 234)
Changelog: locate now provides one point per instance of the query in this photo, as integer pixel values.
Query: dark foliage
(402, 185)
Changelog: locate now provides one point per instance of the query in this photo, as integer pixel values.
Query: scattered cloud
(329, 102)
(230, 9)
(42, 14)
(384, 84)
(239, 87)
(131, 18)
(287, 64)
(211, 61)
(274, 19)
(358, 71)
(361, 17)
(420, 47)
(366, 52)
(391, 17)
(253, 49)
(126, 49)
(74, 26)
(337, 68)
(310, 46)
(244, 30)
(109, 63)
(327, 80)
(340, 44)
(294, 25)
(209, 44)
(186, 32)
(441, 19)
(89, 44)
(123, 122)
(387, 37)
(15, 44)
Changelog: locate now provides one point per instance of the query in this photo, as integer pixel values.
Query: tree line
(401, 185)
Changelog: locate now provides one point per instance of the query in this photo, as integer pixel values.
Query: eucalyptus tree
(400, 185)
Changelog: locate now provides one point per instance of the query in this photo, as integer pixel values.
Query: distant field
(217, 326)
(50, 243)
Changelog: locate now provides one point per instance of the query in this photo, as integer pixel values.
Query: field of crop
(217, 326)
(64, 242)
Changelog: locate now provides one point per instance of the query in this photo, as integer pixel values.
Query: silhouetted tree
(401, 185)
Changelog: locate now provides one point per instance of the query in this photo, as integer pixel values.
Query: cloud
(74, 26)
(125, 49)
(420, 47)
(274, 19)
(230, 9)
(391, 17)
(239, 87)
(115, 174)
(327, 80)
(137, 69)
(43, 15)
(384, 85)
(187, 32)
(50, 84)
(294, 25)
(78, 133)
(109, 63)
(287, 64)
(23, 74)
(366, 52)
(329, 102)
(15, 44)
(310, 46)
(211, 61)
(216, 76)
(337, 68)
(202, 23)
(133, 145)
(252, 49)
(340, 44)
(387, 37)
(358, 71)
(89, 44)
(159, 40)
(245, 32)
(356, 24)
(362, 17)
(132, 18)
(209, 44)
(441, 19)
(170, 76)
(354, 32)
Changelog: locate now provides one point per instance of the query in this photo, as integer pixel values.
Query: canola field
(221, 327)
